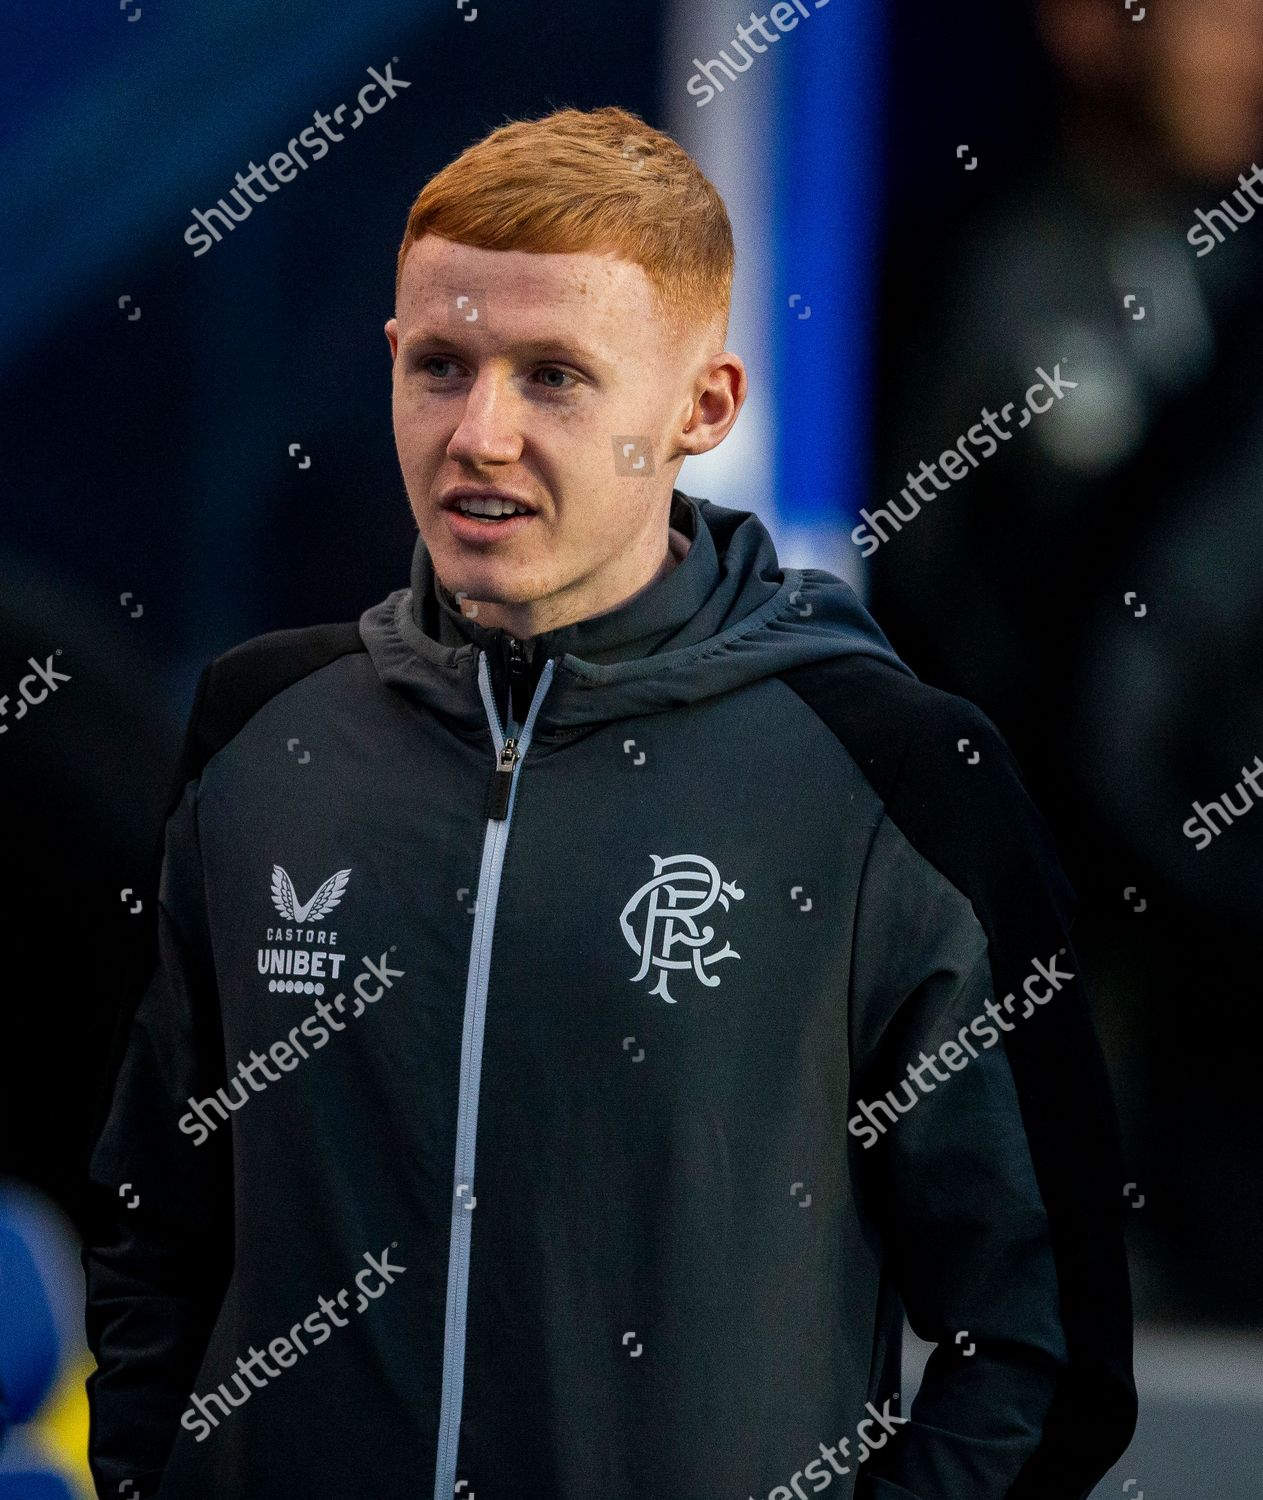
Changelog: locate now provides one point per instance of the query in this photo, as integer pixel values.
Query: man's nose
(489, 430)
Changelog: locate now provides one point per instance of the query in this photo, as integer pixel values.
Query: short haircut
(598, 180)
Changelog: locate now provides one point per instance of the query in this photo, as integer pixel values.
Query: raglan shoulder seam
(236, 685)
(928, 714)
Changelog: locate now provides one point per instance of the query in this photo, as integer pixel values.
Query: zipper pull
(502, 782)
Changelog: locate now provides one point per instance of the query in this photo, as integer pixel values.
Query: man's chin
(473, 588)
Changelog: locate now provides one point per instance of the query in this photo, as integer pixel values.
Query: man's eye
(443, 368)
(566, 378)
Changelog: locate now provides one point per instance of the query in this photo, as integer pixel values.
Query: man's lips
(483, 533)
(452, 498)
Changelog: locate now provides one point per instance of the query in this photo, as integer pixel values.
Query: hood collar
(727, 615)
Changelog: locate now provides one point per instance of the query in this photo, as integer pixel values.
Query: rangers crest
(683, 887)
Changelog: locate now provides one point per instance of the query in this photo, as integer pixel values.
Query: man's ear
(718, 396)
(392, 338)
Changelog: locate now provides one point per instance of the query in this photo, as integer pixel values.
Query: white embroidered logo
(286, 901)
(678, 878)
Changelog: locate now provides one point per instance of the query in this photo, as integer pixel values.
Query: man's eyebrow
(450, 337)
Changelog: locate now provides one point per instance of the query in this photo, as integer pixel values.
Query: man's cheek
(420, 448)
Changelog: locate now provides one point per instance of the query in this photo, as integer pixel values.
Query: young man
(639, 992)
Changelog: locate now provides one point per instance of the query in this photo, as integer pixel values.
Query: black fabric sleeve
(158, 1236)
(996, 1183)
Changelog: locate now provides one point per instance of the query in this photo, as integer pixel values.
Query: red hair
(596, 180)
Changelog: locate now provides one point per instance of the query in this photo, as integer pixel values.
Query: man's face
(514, 373)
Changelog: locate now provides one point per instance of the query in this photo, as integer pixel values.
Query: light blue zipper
(463, 1200)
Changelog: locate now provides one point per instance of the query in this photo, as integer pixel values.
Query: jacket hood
(757, 619)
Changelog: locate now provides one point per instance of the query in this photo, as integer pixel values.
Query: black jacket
(519, 1101)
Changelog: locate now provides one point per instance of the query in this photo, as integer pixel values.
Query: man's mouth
(474, 515)
(489, 510)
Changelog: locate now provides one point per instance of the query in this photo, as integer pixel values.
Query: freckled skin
(473, 405)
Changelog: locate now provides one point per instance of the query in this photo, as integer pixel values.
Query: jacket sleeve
(989, 1153)
(158, 1232)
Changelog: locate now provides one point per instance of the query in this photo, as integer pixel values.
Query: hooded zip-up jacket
(559, 1065)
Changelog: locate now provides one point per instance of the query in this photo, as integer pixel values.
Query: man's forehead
(518, 282)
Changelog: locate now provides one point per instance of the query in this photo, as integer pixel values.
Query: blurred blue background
(886, 291)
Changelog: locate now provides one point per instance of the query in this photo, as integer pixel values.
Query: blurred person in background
(1090, 583)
